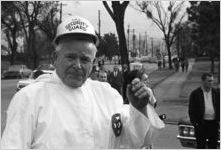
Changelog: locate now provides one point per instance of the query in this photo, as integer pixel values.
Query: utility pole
(128, 38)
(146, 47)
(133, 40)
(152, 47)
(139, 44)
(99, 23)
(60, 12)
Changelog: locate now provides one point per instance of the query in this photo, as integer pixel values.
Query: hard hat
(76, 25)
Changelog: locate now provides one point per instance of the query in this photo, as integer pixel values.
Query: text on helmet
(76, 24)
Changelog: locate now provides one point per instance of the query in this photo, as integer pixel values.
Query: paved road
(167, 139)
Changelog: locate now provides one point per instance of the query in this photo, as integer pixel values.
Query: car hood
(185, 120)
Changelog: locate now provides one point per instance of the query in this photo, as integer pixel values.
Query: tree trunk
(123, 46)
(13, 48)
(122, 42)
(35, 54)
(169, 55)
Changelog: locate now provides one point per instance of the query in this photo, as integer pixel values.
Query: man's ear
(54, 57)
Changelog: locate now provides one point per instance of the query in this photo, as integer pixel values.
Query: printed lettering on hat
(76, 24)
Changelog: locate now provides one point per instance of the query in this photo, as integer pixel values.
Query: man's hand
(138, 94)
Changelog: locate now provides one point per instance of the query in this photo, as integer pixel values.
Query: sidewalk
(168, 96)
(158, 76)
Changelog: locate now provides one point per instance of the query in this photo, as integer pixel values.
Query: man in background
(204, 112)
(116, 79)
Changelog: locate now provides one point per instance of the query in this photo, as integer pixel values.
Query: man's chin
(75, 83)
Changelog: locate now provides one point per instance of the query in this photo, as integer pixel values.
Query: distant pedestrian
(164, 62)
(94, 73)
(182, 63)
(186, 63)
(159, 64)
(102, 76)
(116, 79)
(204, 112)
(176, 64)
(99, 63)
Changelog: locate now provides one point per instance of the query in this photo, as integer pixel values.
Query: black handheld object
(135, 101)
(116, 124)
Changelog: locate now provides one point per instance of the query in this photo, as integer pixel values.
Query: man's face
(208, 83)
(74, 60)
(102, 77)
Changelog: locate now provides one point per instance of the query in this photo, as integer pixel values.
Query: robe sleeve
(137, 130)
(20, 123)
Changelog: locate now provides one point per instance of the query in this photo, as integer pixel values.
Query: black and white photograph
(110, 74)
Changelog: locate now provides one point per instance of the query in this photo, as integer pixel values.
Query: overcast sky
(89, 10)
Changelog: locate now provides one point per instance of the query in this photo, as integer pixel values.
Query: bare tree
(29, 12)
(10, 26)
(164, 19)
(117, 14)
(50, 20)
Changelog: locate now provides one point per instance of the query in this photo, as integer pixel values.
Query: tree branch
(178, 26)
(108, 9)
(22, 21)
(125, 4)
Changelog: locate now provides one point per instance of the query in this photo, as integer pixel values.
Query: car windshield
(15, 68)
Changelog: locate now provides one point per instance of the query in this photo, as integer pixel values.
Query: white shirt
(209, 110)
(50, 115)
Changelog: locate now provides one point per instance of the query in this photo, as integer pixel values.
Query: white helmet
(76, 25)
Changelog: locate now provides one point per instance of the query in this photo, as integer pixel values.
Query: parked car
(186, 133)
(45, 67)
(136, 65)
(17, 71)
(31, 79)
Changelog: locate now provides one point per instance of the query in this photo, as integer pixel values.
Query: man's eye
(70, 57)
(85, 59)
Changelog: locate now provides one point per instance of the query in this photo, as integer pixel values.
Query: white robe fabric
(49, 115)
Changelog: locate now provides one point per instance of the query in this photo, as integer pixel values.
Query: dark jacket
(197, 105)
(116, 81)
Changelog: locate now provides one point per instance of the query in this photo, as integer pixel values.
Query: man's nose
(77, 63)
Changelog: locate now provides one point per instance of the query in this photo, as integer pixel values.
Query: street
(167, 139)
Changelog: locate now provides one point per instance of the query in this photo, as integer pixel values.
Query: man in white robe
(67, 109)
